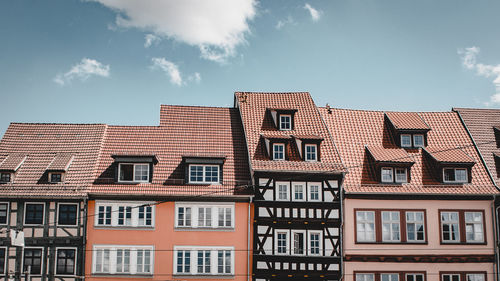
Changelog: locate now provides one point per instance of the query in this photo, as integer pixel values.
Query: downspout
(85, 210)
(248, 240)
(495, 231)
(341, 230)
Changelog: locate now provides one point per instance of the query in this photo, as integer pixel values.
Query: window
(67, 214)
(418, 140)
(133, 172)
(4, 213)
(55, 177)
(455, 175)
(401, 175)
(390, 227)
(314, 192)
(298, 192)
(475, 277)
(203, 260)
(365, 277)
(449, 227)
(123, 259)
(414, 277)
(415, 228)
(365, 226)
(65, 261)
(5, 177)
(314, 243)
(387, 175)
(195, 215)
(311, 152)
(474, 227)
(389, 276)
(451, 277)
(285, 122)
(278, 151)
(204, 174)
(34, 213)
(125, 214)
(282, 191)
(282, 242)
(33, 260)
(298, 242)
(405, 140)
(3, 253)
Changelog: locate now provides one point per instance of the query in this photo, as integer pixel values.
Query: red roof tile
(454, 155)
(43, 144)
(307, 121)
(183, 130)
(61, 162)
(407, 120)
(352, 130)
(11, 162)
(382, 154)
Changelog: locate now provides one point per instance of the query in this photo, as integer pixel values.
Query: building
(45, 170)
(171, 202)
(297, 175)
(418, 198)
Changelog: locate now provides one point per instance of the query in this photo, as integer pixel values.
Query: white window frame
(363, 277)
(289, 122)
(382, 174)
(151, 264)
(450, 222)
(194, 259)
(401, 138)
(214, 208)
(113, 256)
(476, 275)
(455, 173)
(309, 247)
(133, 172)
(277, 186)
(391, 222)
(295, 186)
(405, 180)
(306, 153)
(414, 276)
(474, 223)
(390, 274)
(224, 265)
(77, 214)
(274, 153)
(5, 260)
(365, 222)
(76, 260)
(450, 274)
(184, 220)
(7, 220)
(286, 232)
(415, 222)
(415, 143)
(204, 181)
(42, 264)
(10, 177)
(114, 214)
(24, 215)
(292, 242)
(54, 173)
(320, 191)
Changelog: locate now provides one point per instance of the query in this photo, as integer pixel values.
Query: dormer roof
(389, 155)
(449, 156)
(61, 162)
(407, 121)
(12, 162)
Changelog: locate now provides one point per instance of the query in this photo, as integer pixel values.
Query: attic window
(285, 122)
(129, 172)
(55, 177)
(278, 151)
(311, 152)
(5, 177)
(405, 140)
(418, 140)
(455, 175)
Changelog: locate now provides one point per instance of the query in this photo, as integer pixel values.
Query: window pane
(387, 175)
(65, 261)
(126, 172)
(67, 214)
(3, 214)
(34, 214)
(405, 140)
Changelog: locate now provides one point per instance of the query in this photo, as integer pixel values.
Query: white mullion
(112, 260)
(213, 261)
(135, 216)
(114, 214)
(194, 216)
(214, 216)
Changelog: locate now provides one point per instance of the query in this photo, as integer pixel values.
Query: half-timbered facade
(418, 199)
(297, 176)
(45, 170)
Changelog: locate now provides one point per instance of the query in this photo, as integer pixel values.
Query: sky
(116, 61)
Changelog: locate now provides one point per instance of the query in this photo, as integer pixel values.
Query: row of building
(274, 188)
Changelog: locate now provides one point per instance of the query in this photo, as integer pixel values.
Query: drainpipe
(85, 210)
(496, 242)
(248, 240)
(341, 230)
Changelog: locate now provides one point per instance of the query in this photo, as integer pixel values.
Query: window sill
(132, 182)
(208, 276)
(122, 227)
(182, 228)
(463, 243)
(392, 243)
(124, 274)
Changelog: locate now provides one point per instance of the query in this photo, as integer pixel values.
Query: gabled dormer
(453, 164)
(57, 169)
(277, 147)
(309, 147)
(283, 118)
(408, 128)
(9, 166)
(390, 165)
(131, 168)
(203, 169)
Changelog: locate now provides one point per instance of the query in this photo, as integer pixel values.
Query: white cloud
(281, 23)
(196, 77)
(83, 70)
(173, 72)
(469, 61)
(315, 14)
(216, 27)
(150, 39)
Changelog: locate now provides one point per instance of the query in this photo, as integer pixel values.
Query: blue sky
(115, 62)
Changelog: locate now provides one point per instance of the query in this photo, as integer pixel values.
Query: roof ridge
(383, 111)
(55, 123)
(194, 106)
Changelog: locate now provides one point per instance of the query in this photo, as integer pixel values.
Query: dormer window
(387, 175)
(455, 175)
(129, 172)
(405, 140)
(418, 140)
(278, 151)
(397, 175)
(311, 152)
(409, 128)
(203, 174)
(5, 177)
(55, 177)
(285, 122)
(400, 174)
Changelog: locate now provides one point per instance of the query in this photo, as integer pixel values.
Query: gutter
(85, 216)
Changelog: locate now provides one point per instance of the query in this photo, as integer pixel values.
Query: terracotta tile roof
(307, 137)
(455, 155)
(481, 124)
(307, 121)
(11, 162)
(352, 130)
(44, 145)
(183, 130)
(276, 135)
(407, 120)
(61, 162)
(382, 154)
